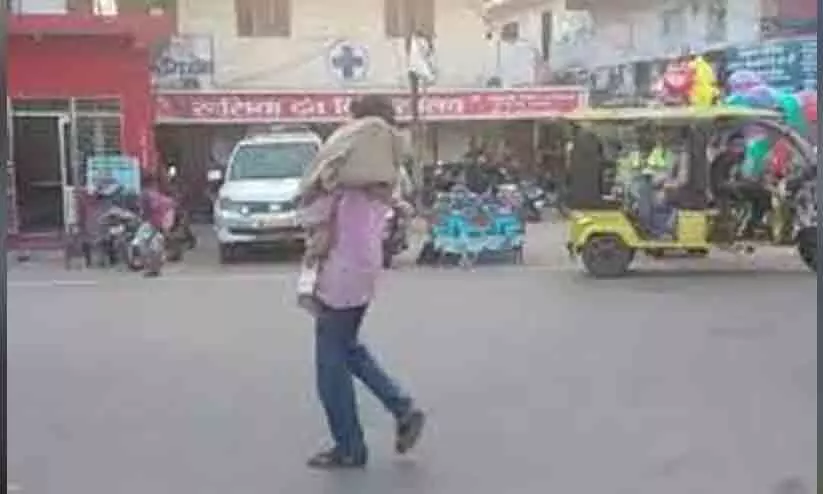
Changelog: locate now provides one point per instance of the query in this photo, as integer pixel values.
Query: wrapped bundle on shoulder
(362, 153)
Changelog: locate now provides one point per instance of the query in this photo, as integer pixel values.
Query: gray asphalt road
(536, 379)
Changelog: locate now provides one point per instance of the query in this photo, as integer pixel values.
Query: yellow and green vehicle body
(692, 230)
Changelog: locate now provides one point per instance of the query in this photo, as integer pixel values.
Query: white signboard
(184, 62)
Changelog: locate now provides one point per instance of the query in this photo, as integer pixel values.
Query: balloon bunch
(747, 89)
(799, 111)
(688, 82)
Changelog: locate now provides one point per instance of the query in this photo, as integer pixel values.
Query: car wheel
(606, 256)
(227, 253)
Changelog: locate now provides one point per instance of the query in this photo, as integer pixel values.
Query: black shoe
(334, 460)
(409, 429)
(151, 274)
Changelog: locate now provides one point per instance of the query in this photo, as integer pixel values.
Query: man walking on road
(345, 196)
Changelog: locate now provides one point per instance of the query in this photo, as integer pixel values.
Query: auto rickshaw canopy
(589, 164)
(675, 114)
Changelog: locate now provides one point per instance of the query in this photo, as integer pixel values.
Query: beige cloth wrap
(365, 153)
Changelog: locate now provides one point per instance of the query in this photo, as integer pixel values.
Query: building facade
(317, 44)
(659, 30)
(527, 23)
(79, 86)
(302, 62)
(618, 49)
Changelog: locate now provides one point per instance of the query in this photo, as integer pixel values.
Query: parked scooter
(146, 250)
(111, 212)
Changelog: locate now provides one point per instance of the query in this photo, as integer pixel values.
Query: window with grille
(716, 18)
(510, 31)
(405, 16)
(97, 135)
(673, 24)
(263, 18)
(546, 34)
(98, 127)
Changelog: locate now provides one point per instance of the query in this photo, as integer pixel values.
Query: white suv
(256, 203)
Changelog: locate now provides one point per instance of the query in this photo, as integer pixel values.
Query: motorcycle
(395, 235)
(119, 227)
(528, 201)
(535, 201)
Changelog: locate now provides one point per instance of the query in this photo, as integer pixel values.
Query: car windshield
(271, 160)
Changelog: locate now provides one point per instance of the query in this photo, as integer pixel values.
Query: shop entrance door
(41, 171)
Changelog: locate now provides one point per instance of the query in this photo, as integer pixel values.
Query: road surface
(696, 377)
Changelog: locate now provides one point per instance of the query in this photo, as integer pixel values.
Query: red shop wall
(88, 67)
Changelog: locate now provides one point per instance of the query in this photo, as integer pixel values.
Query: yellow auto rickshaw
(693, 205)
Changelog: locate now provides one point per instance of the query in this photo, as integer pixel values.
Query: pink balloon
(808, 101)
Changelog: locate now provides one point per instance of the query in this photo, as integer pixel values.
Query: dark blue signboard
(788, 64)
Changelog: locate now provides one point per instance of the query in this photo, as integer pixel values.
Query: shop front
(78, 88)
(631, 83)
(197, 130)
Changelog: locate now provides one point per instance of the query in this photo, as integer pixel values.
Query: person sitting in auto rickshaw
(649, 168)
(752, 186)
(665, 207)
(738, 174)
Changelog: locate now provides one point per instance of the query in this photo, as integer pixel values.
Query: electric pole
(419, 71)
(416, 124)
(410, 20)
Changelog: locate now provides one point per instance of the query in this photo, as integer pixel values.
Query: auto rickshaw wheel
(606, 256)
(807, 248)
(697, 253)
(656, 253)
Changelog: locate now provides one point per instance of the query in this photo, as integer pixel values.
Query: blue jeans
(339, 355)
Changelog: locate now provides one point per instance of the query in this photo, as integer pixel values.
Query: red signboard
(308, 107)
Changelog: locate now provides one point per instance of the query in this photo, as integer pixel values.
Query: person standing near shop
(345, 196)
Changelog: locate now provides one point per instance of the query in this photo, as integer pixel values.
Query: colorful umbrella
(740, 99)
(743, 80)
(762, 97)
